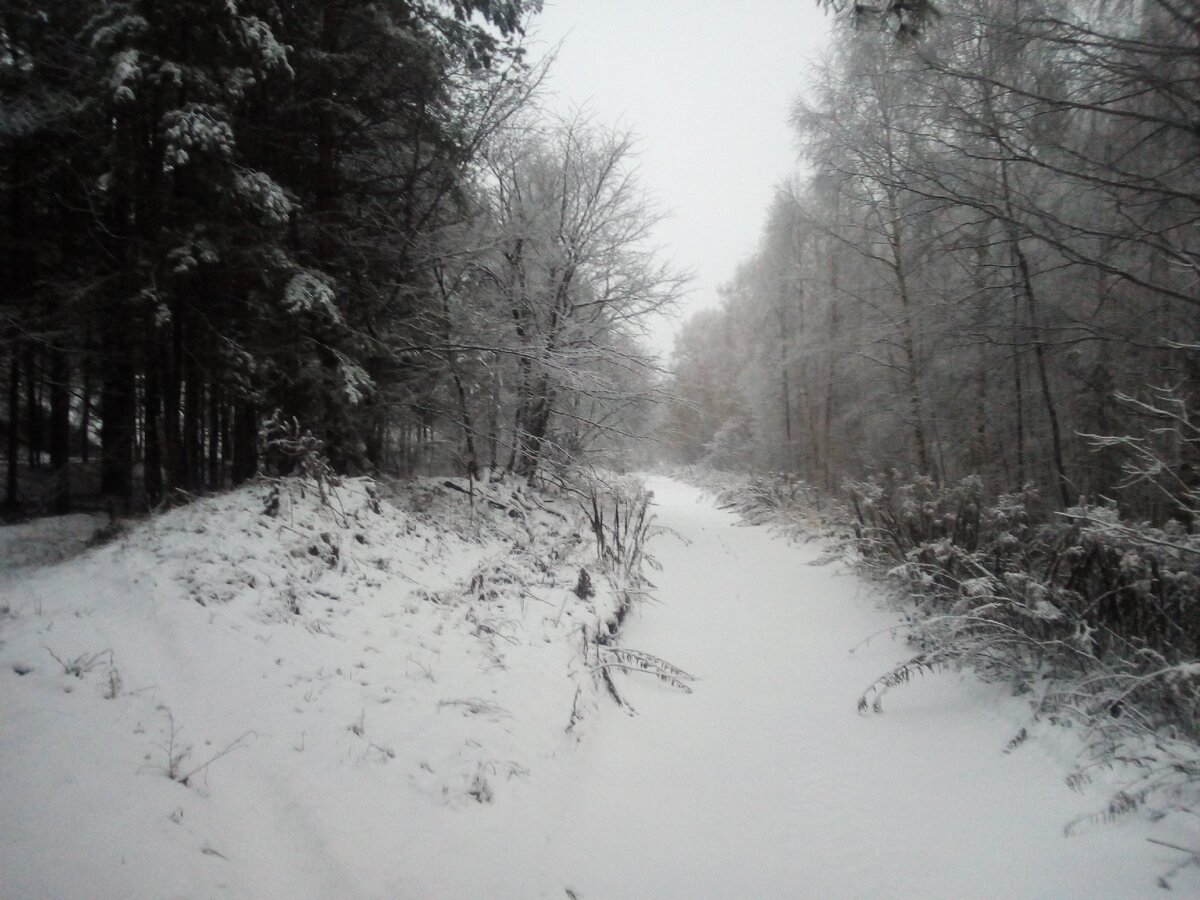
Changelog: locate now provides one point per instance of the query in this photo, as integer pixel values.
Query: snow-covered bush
(1081, 587)
(618, 513)
(290, 449)
(1096, 619)
(622, 523)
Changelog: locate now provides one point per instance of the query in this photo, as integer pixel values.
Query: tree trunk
(226, 437)
(60, 429)
(468, 428)
(979, 434)
(85, 410)
(245, 441)
(193, 424)
(326, 170)
(789, 444)
(33, 417)
(460, 391)
(14, 427)
(519, 299)
(176, 465)
(1018, 395)
(1025, 276)
(533, 441)
(908, 341)
(494, 419)
(152, 468)
(831, 377)
(214, 435)
(977, 459)
(117, 410)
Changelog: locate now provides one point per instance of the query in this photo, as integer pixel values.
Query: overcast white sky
(706, 85)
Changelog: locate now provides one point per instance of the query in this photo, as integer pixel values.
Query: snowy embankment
(409, 725)
(261, 694)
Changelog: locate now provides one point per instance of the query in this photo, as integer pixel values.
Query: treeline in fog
(992, 268)
(977, 320)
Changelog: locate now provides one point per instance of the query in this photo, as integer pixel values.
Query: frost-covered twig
(662, 676)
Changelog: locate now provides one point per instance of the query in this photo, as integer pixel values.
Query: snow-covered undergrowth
(1093, 621)
(250, 695)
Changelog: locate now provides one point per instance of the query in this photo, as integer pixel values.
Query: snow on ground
(767, 783)
(394, 701)
(49, 539)
(222, 702)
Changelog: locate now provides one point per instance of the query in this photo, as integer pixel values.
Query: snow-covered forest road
(202, 707)
(766, 782)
